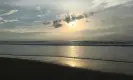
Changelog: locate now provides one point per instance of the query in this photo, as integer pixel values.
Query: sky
(22, 20)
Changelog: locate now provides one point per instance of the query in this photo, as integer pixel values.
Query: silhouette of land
(69, 43)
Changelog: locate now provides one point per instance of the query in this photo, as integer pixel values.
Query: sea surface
(117, 59)
(96, 52)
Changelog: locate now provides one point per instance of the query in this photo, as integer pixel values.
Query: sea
(107, 58)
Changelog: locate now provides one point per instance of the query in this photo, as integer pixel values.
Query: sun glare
(72, 24)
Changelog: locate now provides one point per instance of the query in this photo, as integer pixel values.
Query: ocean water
(96, 52)
(116, 59)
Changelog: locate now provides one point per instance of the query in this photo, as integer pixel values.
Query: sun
(72, 26)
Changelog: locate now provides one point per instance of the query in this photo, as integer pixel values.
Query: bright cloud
(32, 2)
(108, 3)
(9, 13)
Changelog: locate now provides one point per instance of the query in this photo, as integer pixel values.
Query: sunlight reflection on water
(72, 56)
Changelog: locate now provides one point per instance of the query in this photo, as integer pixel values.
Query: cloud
(1, 10)
(32, 2)
(13, 20)
(108, 3)
(50, 31)
(38, 8)
(1, 18)
(9, 12)
(2, 21)
(73, 4)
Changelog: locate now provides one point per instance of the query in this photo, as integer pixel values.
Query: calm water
(100, 52)
(93, 52)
